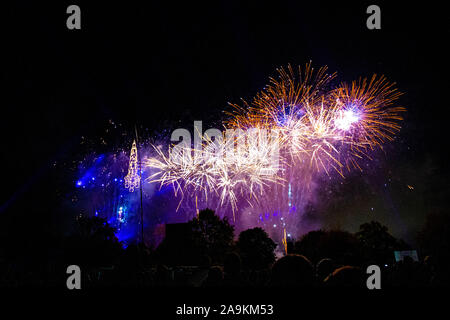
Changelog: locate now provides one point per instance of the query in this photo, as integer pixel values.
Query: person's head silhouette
(292, 270)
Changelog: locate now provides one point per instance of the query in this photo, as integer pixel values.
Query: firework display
(219, 168)
(270, 146)
(312, 128)
(262, 168)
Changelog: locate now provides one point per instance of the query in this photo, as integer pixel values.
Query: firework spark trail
(316, 128)
(284, 241)
(375, 120)
(219, 168)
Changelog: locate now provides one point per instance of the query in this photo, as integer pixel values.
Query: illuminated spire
(133, 179)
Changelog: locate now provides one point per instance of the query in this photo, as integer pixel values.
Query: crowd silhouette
(209, 256)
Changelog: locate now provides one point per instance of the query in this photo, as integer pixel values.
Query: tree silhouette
(93, 243)
(341, 246)
(256, 249)
(95, 228)
(378, 244)
(207, 238)
(434, 240)
(308, 245)
(212, 235)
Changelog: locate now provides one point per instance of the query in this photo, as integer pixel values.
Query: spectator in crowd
(293, 270)
(215, 277)
(324, 268)
(346, 276)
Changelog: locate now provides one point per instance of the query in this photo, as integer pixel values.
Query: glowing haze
(309, 127)
(264, 166)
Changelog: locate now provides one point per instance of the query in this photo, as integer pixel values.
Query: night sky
(165, 64)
